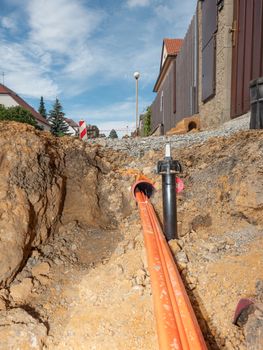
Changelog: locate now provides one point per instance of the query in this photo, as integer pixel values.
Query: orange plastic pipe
(179, 296)
(177, 326)
(168, 335)
(179, 322)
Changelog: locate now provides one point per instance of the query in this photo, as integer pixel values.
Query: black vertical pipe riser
(169, 206)
(168, 169)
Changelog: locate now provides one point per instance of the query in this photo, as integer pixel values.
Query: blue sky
(85, 52)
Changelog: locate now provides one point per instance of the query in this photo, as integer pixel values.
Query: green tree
(92, 131)
(96, 131)
(113, 134)
(147, 122)
(56, 120)
(42, 108)
(17, 114)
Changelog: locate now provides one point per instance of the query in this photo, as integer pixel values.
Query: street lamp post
(137, 76)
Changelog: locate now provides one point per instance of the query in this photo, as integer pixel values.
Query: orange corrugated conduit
(177, 326)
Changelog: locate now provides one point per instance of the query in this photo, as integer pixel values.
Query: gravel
(137, 147)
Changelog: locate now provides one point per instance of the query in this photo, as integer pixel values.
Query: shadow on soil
(211, 342)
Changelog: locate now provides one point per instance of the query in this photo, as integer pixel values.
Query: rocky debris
(4, 299)
(117, 297)
(175, 246)
(254, 329)
(250, 318)
(30, 192)
(87, 278)
(19, 330)
(21, 291)
(138, 147)
(46, 180)
(259, 290)
(40, 269)
(3, 303)
(215, 247)
(72, 247)
(181, 259)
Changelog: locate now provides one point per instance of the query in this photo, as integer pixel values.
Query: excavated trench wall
(45, 182)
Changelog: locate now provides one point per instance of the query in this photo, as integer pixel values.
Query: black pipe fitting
(168, 168)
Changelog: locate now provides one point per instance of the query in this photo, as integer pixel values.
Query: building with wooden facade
(164, 106)
(221, 53)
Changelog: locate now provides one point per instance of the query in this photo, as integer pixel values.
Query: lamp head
(136, 75)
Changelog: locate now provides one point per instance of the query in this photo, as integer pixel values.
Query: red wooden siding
(209, 27)
(209, 20)
(180, 85)
(247, 62)
(162, 112)
(208, 70)
(187, 74)
(174, 83)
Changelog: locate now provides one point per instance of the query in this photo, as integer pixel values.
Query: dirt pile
(221, 231)
(72, 255)
(43, 181)
(32, 192)
(17, 322)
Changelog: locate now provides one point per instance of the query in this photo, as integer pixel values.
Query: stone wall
(216, 110)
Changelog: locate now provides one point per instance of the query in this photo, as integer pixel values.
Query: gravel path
(138, 146)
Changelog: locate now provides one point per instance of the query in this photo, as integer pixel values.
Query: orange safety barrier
(177, 326)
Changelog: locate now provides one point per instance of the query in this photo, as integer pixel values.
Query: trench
(72, 256)
(94, 291)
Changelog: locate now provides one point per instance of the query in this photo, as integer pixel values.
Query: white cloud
(61, 26)
(175, 13)
(58, 36)
(26, 72)
(70, 47)
(8, 23)
(60, 32)
(135, 3)
(82, 65)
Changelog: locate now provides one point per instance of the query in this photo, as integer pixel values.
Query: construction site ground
(82, 280)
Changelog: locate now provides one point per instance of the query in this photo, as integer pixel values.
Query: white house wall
(7, 101)
(72, 131)
(164, 54)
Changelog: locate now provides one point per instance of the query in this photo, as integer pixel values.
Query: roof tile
(173, 46)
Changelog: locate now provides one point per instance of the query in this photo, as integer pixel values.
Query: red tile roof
(173, 46)
(5, 90)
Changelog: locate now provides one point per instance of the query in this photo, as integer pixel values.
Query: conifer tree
(113, 134)
(56, 120)
(42, 108)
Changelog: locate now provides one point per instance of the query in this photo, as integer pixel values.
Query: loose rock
(21, 291)
(19, 330)
(40, 269)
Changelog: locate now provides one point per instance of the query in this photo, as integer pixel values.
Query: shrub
(17, 114)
